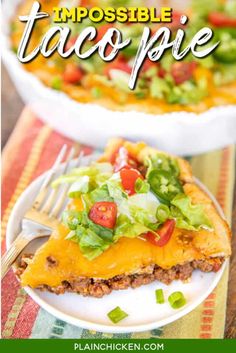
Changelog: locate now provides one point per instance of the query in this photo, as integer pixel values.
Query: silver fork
(44, 215)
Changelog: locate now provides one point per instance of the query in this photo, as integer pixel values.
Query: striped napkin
(30, 151)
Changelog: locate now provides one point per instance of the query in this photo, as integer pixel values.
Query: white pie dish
(181, 133)
(139, 303)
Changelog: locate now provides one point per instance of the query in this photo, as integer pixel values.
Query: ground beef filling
(99, 287)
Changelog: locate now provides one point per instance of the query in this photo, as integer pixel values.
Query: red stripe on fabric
(50, 151)
(224, 172)
(211, 296)
(206, 327)
(208, 312)
(209, 304)
(10, 286)
(221, 197)
(29, 311)
(10, 180)
(207, 319)
(55, 141)
(26, 319)
(205, 335)
(86, 149)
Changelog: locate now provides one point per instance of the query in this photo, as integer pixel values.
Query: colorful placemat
(30, 151)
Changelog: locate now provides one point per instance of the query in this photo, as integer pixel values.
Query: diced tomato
(101, 30)
(148, 64)
(182, 71)
(128, 179)
(72, 74)
(83, 3)
(117, 64)
(175, 23)
(124, 160)
(161, 72)
(104, 214)
(70, 43)
(165, 233)
(219, 19)
(115, 151)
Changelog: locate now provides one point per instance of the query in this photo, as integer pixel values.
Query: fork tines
(52, 201)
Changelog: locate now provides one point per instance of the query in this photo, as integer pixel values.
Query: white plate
(180, 133)
(91, 313)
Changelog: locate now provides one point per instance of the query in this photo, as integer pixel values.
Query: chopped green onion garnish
(96, 92)
(13, 27)
(160, 296)
(140, 95)
(56, 83)
(116, 315)
(177, 300)
(141, 186)
(162, 213)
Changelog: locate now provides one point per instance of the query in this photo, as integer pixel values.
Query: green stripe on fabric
(43, 325)
(57, 329)
(47, 326)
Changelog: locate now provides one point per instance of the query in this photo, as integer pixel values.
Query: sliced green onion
(140, 95)
(177, 300)
(56, 83)
(159, 296)
(162, 213)
(96, 92)
(116, 315)
(141, 186)
(13, 27)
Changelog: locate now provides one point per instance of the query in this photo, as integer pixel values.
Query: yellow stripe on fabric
(207, 169)
(224, 194)
(27, 173)
(229, 185)
(14, 313)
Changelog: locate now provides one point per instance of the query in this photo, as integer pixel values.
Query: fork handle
(12, 253)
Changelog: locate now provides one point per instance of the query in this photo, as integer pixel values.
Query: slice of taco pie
(135, 216)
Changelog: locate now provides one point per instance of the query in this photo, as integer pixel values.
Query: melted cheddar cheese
(125, 257)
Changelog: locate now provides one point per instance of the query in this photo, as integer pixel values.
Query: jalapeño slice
(165, 185)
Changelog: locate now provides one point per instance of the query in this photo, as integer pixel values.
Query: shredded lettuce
(125, 227)
(142, 216)
(148, 203)
(80, 186)
(84, 179)
(93, 239)
(91, 244)
(189, 216)
(137, 214)
(71, 219)
(100, 194)
(115, 190)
